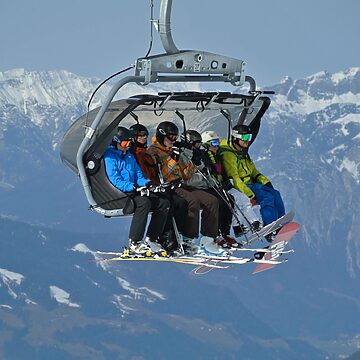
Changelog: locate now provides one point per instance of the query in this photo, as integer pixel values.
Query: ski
(276, 248)
(200, 260)
(264, 250)
(108, 253)
(288, 217)
(180, 260)
(265, 258)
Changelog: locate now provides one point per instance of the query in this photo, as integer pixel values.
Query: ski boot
(209, 247)
(231, 242)
(173, 249)
(189, 246)
(240, 230)
(271, 237)
(138, 249)
(155, 247)
(222, 242)
(259, 255)
(256, 226)
(170, 244)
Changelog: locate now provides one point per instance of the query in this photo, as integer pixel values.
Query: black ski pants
(178, 211)
(159, 205)
(200, 200)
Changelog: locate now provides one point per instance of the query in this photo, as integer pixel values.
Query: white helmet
(209, 135)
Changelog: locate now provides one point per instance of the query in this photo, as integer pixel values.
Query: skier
(247, 179)
(210, 180)
(139, 147)
(178, 208)
(242, 212)
(125, 174)
(175, 166)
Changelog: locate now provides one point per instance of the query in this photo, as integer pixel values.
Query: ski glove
(157, 188)
(187, 154)
(143, 190)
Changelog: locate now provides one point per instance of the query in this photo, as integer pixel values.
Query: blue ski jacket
(123, 170)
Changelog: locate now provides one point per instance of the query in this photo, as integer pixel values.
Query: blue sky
(97, 38)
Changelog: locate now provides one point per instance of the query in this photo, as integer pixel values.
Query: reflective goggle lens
(243, 137)
(125, 143)
(215, 142)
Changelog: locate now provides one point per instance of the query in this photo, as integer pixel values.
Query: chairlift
(85, 142)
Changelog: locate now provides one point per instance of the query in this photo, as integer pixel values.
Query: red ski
(277, 247)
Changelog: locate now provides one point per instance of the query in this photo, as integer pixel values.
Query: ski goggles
(122, 143)
(172, 137)
(142, 134)
(243, 137)
(196, 143)
(214, 142)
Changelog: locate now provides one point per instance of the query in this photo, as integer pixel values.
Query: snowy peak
(325, 108)
(352, 73)
(320, 85)
(51, 100)
(51, 88)
(11, 280)
(317, 92)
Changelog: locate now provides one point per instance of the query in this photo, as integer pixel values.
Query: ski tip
(291, 226)
(262, 267)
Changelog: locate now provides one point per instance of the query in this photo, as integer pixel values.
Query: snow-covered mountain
(56, 301)
(310, 139)
(52, 100)
(309, 147)
(36, 108)
(327, 105)
(317, 122)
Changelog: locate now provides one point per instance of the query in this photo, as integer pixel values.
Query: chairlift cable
(151, 27)
(100, 85)
(128, 68)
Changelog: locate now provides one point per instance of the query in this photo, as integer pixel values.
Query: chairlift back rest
(106, 194)
(108, 197)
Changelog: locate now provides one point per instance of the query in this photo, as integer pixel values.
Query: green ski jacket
(240, 168)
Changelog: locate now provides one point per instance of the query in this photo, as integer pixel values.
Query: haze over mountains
(308, 146)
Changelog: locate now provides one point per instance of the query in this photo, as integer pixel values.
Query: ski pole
(227, 201)
(177, 234)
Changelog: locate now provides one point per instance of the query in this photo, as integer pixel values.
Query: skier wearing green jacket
(246, 177)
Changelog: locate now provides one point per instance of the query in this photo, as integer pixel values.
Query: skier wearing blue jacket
(125, 174)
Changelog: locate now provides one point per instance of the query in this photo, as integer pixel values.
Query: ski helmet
(209, 135)
(241, 132)
(166, 129)
(122, 134)
(138, 129)
(192, 136)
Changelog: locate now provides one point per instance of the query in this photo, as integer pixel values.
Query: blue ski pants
(270, 201)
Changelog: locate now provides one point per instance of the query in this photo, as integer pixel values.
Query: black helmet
(192, 136)
(165, 129)
(123, 134)
(241, 132)
(139, 128)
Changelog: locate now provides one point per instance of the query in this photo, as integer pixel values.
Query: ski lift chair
(85, 143)
(105, 197)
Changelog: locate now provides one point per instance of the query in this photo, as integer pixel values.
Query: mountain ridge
(310, 152)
